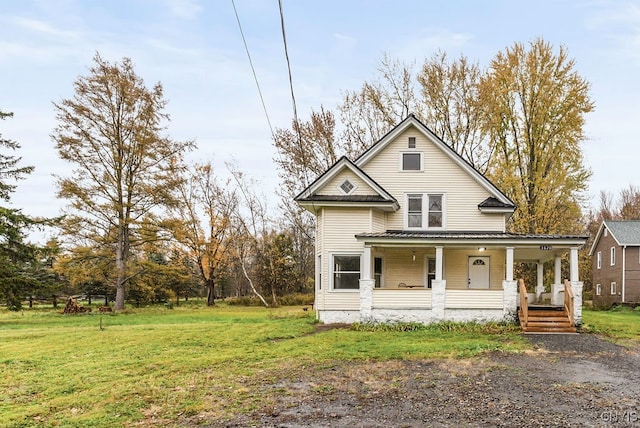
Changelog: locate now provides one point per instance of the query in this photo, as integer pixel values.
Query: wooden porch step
(546, 320)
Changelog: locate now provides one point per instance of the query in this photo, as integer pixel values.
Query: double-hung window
(599, 259)
(612, 256)
(424, 211)
(345, 271)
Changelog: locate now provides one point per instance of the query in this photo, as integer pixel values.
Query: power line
(293, 98)
(255, 76)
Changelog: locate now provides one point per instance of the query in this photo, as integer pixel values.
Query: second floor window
(425, 211)
(613, 256)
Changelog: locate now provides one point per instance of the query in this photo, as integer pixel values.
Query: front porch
(425, 281)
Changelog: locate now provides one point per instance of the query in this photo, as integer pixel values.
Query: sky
(195, 49)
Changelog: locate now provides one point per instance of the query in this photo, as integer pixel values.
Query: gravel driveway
(567, 380)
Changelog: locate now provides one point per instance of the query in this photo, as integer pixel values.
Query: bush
(288, 300)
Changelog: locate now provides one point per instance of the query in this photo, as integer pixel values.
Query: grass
(621, 324)
(196, 365)
(156, 366)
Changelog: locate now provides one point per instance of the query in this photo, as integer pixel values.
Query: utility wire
(255, 76)
(293, 99)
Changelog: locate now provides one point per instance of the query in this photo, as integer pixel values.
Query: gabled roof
(411, 120)
(624, 232)
(383, 199)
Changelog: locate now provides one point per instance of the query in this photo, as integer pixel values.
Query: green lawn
(620, 324)
(162, 367)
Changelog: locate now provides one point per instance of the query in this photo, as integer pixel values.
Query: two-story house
(410, 231)
(615, 256)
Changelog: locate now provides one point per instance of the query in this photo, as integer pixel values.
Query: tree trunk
(122, 253)
(211, 297)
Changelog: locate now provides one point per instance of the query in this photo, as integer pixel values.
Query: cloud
(185, 9)
(44, 28)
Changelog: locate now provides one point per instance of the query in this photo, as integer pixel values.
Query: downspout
(624, 269)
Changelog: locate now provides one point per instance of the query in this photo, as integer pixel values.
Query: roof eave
(312, 206)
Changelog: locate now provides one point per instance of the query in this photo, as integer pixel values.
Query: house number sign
(545, 247)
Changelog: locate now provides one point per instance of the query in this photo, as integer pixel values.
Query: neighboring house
(410, 231)
(615, 256)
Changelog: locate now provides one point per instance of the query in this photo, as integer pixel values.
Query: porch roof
(527, 246)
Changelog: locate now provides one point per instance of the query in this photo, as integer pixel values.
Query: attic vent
(412, 142)
(347, 187)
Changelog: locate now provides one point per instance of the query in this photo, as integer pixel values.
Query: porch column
(509, 273)
(509, 289)
(539, 281)
(366, 286)
(574, 265)
(438, 289)
(576, 286)
(557, 289)
(438, 263)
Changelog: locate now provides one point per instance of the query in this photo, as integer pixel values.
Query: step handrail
(568, 301)
(524, 302)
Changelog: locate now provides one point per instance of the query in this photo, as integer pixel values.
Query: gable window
(377, 271)
(411, 161)
(347, 186)
(412, 142)
(599, 259)
(425, 211)
(613, 256)
(613, 288)
(345, 271)
(598, 289)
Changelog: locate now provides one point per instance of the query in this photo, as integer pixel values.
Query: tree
(452, 109)
(111, 132)
(379, 105)
(535, 105)
(204, 223)
(17, 257)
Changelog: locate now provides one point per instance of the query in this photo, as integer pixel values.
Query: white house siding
(417, 298)
(474, 299)
(378, 221)
(336, 233)
(457, 267)
(331, 188)
(441, 175)
(399, 267)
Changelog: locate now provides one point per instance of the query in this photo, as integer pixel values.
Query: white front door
(479, 272)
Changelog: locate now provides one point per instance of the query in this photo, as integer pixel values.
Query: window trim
(612, 256)
(599, 260)
(332, 273)
(425, 211)
(598, 289)
(614, 288)
(410, 152)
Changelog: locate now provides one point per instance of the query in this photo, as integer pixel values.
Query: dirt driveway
(568, 380)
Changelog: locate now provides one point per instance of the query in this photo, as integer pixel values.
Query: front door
(479, 272)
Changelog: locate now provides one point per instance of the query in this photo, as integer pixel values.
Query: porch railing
(568, 300)
(524, 302)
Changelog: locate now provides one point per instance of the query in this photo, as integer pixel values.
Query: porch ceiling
(527, 247)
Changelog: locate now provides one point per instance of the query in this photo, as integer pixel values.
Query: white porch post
(509, 289)
(438, 263)
(576, 286)
(558, 287)
(574, 265)
(366, 286)
(539, 281)
(509, 267)
(438, 289)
